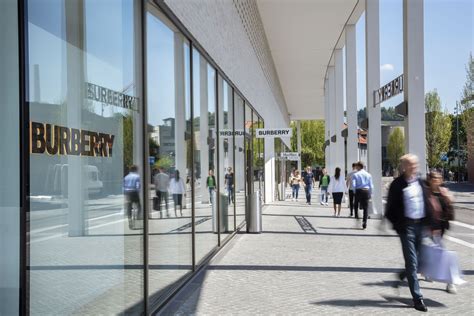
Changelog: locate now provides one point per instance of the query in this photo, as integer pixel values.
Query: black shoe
(364, 226)
(402, 275)
(420, 305)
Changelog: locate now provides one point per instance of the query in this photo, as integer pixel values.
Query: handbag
(439, 264)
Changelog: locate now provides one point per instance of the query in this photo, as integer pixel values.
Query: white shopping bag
(439, 264)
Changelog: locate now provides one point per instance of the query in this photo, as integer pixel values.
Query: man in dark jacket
(407, 209)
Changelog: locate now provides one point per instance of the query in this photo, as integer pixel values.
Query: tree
(438, 129)
(312, 140)
(467, 117)
(395, 147)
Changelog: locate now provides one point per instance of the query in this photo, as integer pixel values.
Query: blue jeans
(411, 242)
(230, 194)
(211, 195)
(324, 194)
(294, 190)
(307, 190)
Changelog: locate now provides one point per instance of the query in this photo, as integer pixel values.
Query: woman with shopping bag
(438, 263)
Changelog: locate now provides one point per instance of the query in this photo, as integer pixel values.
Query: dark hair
(354, 164)
(360, 164)
(337, 174)
(176, 174)
(133, 168)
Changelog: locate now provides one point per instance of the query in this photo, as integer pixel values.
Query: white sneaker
(451, 288)
(321, 203)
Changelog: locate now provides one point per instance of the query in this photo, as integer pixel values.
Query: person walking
(409, 213)
(229, 184)
(308, 181)
(177, 189)
(324, 181)
(350, 186)
(295, 180)
(337, 187)
(440, 201)
(131, 190)
(162, 182)
(363, 185)
(211, 185)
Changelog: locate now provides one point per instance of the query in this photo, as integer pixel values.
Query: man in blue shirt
(362, 183)
(131, 190)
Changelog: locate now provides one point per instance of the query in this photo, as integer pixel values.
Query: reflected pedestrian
(363, 185)
(131, 190)
(324, 181)
(211, 186)
(162, 182)
(337, 187)
(308, 181)
(229, 184)
(177, 189)
(409, 214)
(295, 180)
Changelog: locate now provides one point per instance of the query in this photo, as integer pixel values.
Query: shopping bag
(371, 210)
(156, 205)
(439, 264)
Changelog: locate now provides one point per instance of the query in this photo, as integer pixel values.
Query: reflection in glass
(170, 150)
(205, 155)
(10, 160)
(226, 157)
(86, 172)
(239, 173)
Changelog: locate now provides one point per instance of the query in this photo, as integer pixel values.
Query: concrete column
(331, 107)
(269, 169)
(75, 189)
(374, 138)
(298, 141)
(203, 128)
(180, 101)
(414, 79)
(351, 96)
(327, 136)
(339, 160)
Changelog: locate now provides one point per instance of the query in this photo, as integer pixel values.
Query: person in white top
(177, 189)
(337, 186)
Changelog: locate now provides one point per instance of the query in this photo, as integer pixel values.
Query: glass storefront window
(10, 160)
(226, 156)
(205, 156)
(86, 171)
(239, 173)
(170, 156)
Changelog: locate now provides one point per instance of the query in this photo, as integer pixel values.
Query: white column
(331, 107)
(339, 160)
(75, 188)
(269, 169)
(179, 91)
(351, 96)
(203, 128)
(327, 136)
(374, 138)
(298, 141)
(414, 83)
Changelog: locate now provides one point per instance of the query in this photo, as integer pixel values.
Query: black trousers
(362, 200)
(162, 196)
(132, 197)
(352, 203)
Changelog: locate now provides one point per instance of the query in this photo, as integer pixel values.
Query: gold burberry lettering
(55, 139)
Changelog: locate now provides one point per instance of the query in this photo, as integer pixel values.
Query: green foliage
(388, 114)
(395, 147)
(127, 140)
(164, 162)
(312, 140)
(438, 129)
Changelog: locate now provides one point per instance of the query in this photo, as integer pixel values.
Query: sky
(449, 39)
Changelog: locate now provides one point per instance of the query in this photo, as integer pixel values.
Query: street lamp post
(457, 138)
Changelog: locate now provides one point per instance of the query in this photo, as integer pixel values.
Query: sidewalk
(308, 262)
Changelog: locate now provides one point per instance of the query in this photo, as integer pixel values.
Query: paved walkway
(309, 262)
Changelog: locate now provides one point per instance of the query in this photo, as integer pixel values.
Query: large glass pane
(239, 185)
(86, 177)
(255, 153)
(205, 155)
(261, 161)
(170, 150)
(226, 156)
(9, 158)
